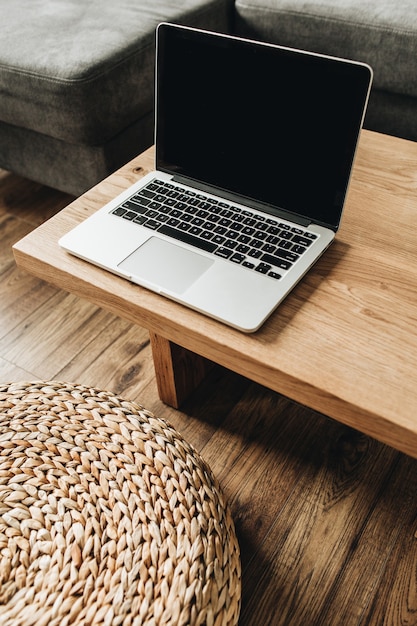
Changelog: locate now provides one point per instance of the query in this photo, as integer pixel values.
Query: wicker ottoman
(107, 516)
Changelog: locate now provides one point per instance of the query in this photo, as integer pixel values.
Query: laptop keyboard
(263, 244)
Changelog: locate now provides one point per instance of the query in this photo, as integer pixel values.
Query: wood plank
(313, 557)
(121, 361)
(49, 334)
(9, 372)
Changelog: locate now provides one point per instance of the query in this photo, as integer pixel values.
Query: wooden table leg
(178, 371)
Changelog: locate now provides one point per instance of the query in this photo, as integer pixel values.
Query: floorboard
(326, 517)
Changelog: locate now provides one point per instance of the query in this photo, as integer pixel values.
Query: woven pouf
(107, 516)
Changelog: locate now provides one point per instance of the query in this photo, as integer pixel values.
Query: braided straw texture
(107, 516)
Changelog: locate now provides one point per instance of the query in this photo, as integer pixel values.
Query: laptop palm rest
(165, 265)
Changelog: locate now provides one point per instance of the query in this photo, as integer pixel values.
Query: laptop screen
(271, 124)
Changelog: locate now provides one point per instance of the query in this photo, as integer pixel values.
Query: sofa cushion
(382, 33)
(83, 71)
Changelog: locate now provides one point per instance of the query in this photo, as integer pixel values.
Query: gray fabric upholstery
(70, 167)
(380, 32)
(80, 71)
(392, 114)
(75, 76)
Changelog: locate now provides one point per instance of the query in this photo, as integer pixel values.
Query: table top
(344, 342)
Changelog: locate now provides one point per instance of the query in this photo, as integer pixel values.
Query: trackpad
(165, 265)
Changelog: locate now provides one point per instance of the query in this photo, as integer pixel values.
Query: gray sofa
(76, 77)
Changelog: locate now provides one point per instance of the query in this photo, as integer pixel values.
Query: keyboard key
(224, 253)
(286, 254)
(205, 206)
(303, 241)
(276, 261)
(137, 200)
(226, 213)
(194, 201)
(247, 230)
(191, 210)
(185, 237)
(152, 224)
(298, 249)
(140, 219)
(257, 243)
(146, 193)
(273, 230)
(273, 239)
(195, 230)
(157, 206)
(274, 275)
(255, 254)
(263, 268)
(120, 211)
(237, 258)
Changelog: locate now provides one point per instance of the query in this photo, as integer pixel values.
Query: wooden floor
(326, 517)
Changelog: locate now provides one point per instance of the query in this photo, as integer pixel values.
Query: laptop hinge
(252, 204)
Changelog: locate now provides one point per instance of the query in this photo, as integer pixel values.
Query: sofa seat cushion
(380, 32)
(83, 71)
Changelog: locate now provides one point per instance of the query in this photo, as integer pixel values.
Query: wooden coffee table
(344, 342)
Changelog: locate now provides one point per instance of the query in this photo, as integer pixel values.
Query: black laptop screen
(275, 125)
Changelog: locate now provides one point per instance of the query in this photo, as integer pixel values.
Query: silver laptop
(254, 150)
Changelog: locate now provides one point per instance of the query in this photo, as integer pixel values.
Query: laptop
(254, 148)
